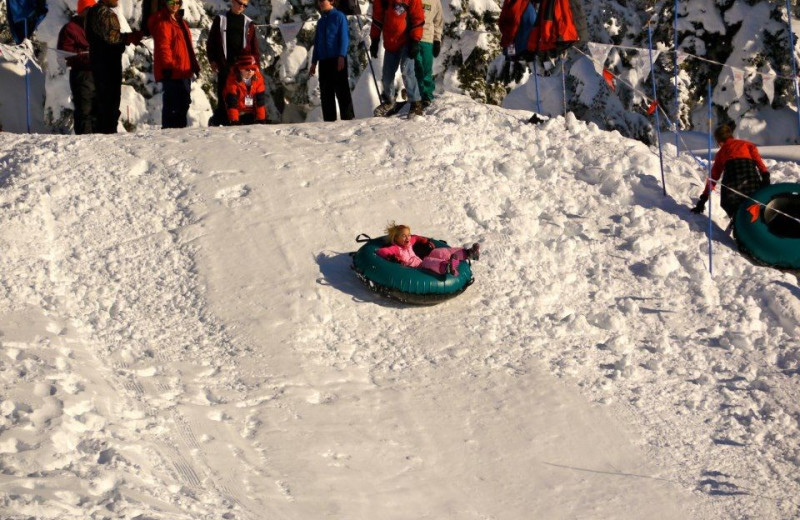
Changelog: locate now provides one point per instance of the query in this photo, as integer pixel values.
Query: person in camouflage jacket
(107, 42)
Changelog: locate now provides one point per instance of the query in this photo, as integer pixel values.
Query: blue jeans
(392, 60)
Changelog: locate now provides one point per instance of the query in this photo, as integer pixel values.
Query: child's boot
(452, 265)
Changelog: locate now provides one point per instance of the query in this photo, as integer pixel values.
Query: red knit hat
(83, 5)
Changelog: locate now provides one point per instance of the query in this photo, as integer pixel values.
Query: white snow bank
(182, 337)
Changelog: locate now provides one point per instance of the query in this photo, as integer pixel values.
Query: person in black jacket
(106, 44)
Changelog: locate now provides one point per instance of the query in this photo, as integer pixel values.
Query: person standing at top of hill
(744, 171)
(232, 34)
(331, 42)
(401, 22)
(174, 62)
(107, 42)
(429, 47)
(72, 38)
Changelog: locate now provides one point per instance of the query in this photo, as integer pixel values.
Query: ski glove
(437, 48)
(765, 179)
(167, 73)
(413, 49)
(700, 207)
(373, 48)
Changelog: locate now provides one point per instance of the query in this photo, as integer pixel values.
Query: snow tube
(763, 229)
(407, 284)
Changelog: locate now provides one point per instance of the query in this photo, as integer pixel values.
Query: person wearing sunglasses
(174, 62)
(245, 94)
(232, 34)
(331, 41)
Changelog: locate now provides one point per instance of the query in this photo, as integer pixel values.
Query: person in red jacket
(401, 22)
(744, 171)
(174, 62)
(72, 39)
(245, 94)
(232, 34)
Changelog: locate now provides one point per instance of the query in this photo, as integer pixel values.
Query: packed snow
(182, 336)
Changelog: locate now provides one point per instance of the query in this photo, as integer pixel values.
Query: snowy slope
(182, 337)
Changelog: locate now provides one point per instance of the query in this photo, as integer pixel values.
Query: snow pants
(175, 103)
(391, 61)
(423, 67)
(438, 259)
(81, 83)
(334, 85)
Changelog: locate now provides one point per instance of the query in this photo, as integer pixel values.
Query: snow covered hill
(182, 337)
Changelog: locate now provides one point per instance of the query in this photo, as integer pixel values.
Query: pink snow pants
(438, 259)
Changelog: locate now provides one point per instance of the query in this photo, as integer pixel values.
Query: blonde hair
(392, 230)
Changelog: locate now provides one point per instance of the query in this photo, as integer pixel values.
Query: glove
(134, 38)
(167, 73)
(373, 48)
(700, 207)
(437, 48)
(765, 179)
(413, 49)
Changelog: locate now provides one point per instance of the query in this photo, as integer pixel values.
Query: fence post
(677, 121)
(27, 82)
(655, 100)
(794, 64)
(708, 184)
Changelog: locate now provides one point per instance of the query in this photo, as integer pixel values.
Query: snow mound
(182, 337)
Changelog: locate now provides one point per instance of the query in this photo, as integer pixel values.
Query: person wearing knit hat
(83, 5)
(72, 40)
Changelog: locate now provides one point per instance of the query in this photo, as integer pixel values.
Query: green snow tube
(406, 284)
(763, 229)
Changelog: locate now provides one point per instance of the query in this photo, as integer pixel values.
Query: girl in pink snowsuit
(440, 260)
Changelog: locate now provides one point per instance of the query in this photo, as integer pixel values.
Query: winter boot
(416, 109)
(452, 265)
(474, 252)
(383, 109)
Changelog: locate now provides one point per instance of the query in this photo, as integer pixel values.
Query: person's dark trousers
(175, 103)
(108, 91)
(334, 86)
(220, 116)
(81, 83)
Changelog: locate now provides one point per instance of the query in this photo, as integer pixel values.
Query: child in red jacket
(245, 93)
(440, 260)
(744, 172)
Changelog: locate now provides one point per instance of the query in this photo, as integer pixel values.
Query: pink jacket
(404, 255)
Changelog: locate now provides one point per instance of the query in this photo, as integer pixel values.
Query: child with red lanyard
(245, 93)
(440, 260)
(744, 170)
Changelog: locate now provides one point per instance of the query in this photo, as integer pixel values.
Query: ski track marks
(113, 314)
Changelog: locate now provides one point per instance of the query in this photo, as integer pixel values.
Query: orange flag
(652, 108)
(754, 210)
(609, 77)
